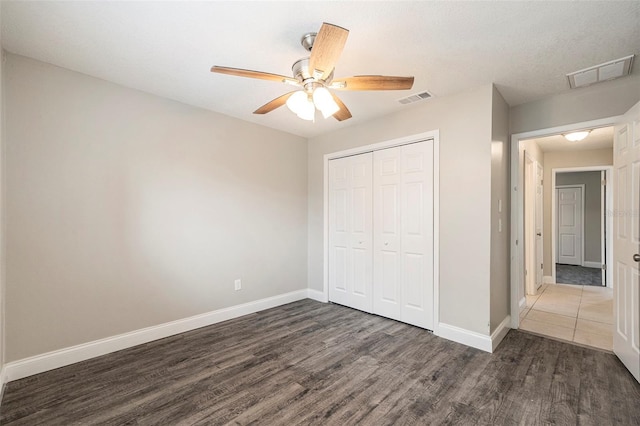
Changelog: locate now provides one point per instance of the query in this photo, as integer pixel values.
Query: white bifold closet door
(350, 231)
(403, 234)
(390, 271)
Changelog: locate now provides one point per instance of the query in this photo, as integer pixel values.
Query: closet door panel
(350, 231)
(338, 231)
(417, 234)
(386, 234)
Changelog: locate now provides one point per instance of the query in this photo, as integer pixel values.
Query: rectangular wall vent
(415, 98)
(603, 72)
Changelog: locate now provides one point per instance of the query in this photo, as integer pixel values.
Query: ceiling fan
(314, 75)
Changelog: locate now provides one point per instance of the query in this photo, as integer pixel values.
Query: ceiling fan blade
(373, 82)
(326, 51)
(255, 74)
(276, 103)
(343, 113)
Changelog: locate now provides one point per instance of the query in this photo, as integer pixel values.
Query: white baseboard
(500, 332)
(317, 295)
(589, 264)
(548, 279)
(464, 336)
(474, 339)
(48, 361)
(3, 381)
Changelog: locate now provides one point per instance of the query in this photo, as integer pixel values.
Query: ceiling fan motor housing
(302, 73)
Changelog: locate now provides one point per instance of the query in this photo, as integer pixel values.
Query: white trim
(500, 332)
(548, 279)
(608, 259)
(405, 140)
(48, 361)
(466, 337)
(3, 382)
(590, 264)
(522, 304)
(433, 135)
(436, 230)
(603, 227)
(554, 211)
(316, 295)
(517, 259)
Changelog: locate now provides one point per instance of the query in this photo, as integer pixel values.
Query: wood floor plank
(315, 363)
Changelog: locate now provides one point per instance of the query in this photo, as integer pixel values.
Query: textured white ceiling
(167, 48)
(598, 139)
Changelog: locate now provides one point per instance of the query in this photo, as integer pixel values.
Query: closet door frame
(432, 136)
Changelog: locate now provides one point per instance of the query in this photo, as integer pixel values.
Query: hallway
(575, 313)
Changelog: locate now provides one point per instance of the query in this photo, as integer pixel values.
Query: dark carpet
(573, 274)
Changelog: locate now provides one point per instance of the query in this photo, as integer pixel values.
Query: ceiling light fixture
(576, 136)
(304, 104)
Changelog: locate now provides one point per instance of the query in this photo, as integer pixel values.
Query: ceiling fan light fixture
(576, 136)
(300, 104)
(324, 102)
(308, 112)
(296, 101)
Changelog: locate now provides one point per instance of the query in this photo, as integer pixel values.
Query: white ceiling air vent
(603, 72)
(415, 98)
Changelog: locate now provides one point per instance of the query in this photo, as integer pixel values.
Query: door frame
(517, 206)
(606, 205)
(434, 136)
(554, 221)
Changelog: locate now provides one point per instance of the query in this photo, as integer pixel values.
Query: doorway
(581, 250)
(573, 311)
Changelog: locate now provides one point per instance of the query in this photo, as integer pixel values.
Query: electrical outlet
(237, 284)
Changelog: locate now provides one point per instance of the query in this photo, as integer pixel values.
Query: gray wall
(564, 159)
(464, 121)
(500, 202)
(125, 210)
(608, 99)
(592, 213)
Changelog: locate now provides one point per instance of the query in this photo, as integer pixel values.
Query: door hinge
(541, 267)
(604, 266)
(604, 182)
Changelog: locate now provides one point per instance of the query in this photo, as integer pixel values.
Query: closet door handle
(636, 257)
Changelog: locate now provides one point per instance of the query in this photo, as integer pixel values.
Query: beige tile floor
(580, 314)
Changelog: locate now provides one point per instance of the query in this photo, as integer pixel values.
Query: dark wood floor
(315, 363)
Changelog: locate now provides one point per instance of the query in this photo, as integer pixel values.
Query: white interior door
(350, 231)
(538, 227)
(570, 228)
(530, 225)
(626, 241)
(403, 234)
